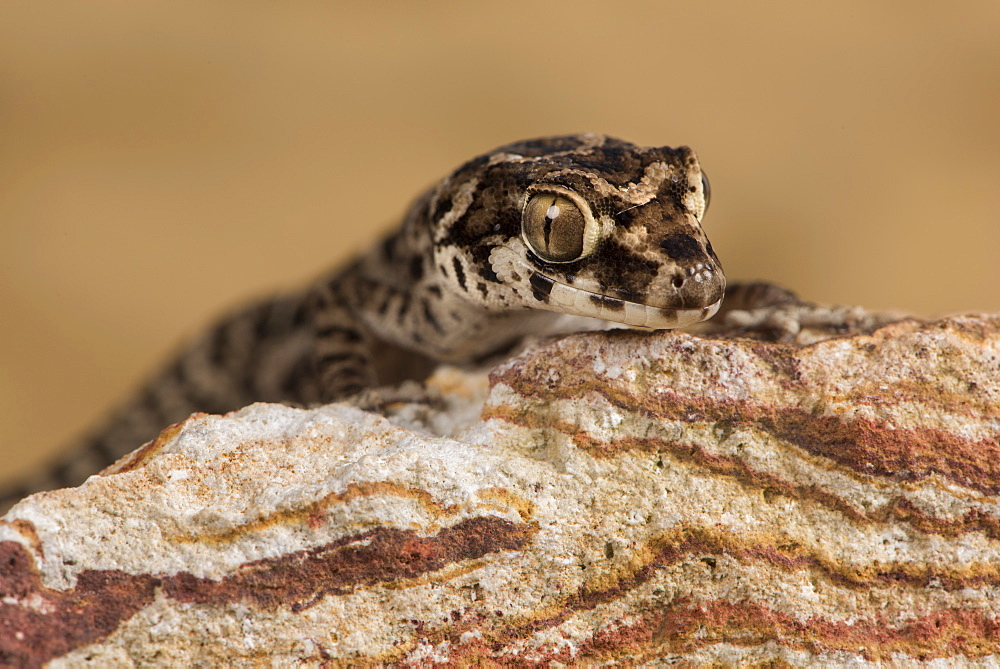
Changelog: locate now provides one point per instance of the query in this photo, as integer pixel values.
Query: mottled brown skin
(458, 281)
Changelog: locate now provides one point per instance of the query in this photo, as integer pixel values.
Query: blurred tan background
(160, 161)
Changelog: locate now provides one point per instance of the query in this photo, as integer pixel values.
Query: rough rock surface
(623, 497)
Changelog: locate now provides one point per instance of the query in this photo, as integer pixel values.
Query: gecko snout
(694, 278)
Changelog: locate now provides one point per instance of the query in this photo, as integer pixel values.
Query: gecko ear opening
(557, 227)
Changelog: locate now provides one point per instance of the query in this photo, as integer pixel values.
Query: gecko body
(517, 241)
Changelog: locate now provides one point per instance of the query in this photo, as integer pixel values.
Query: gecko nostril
(677, 281)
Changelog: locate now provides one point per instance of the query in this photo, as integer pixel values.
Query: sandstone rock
(622, 497)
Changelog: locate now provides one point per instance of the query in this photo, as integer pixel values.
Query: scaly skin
(525, 239)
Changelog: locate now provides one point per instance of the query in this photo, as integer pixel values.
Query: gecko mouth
(568, 299)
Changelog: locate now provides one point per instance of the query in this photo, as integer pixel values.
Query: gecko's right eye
(706, 190)
(556, 229)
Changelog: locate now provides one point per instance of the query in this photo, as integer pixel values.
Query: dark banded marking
(353, 388)
(487, 273)
(404, 310)
(629, 295)
(429, 316)
(541, 284)
(302, 314)
(235, 342)
(340, 333)
(192, 394)
(459, 273)
(608, 302)
(218, 345)
(290, 312)
(263, 322)
(151, 403)
(417, 268)
(295, 384)
(680, 246)
(340, 357)
(389, 248)
(541, 287)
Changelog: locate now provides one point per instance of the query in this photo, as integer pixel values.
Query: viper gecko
(522, 240)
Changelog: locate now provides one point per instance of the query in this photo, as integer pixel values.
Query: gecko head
(585, 225)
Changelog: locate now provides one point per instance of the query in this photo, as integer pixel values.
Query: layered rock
(621, 497)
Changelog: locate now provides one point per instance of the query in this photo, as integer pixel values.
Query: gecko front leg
(777, 314)
(342, 346)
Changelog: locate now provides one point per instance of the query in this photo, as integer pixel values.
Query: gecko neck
(397, 291)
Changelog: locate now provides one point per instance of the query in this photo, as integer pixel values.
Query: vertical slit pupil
(550, 215)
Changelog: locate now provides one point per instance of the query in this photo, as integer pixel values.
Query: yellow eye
(555, 228)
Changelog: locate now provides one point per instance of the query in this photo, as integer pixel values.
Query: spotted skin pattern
(459, 280)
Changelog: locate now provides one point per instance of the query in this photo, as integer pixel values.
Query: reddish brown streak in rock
(59, 621)
(678, 626)
(696, 542)
(144, 453)
(865, 446)
(685, 627)
(682, 627)
(387, 554)
(899, 510)
(903, 454)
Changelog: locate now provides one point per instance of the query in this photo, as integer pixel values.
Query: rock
(622, 497)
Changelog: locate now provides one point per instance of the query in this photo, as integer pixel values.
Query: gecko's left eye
(556, 228)
(706, 189)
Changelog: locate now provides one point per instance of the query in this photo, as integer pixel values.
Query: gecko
(540, 236)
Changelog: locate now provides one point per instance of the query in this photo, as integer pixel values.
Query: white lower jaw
(511, 267)
(579, 302)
